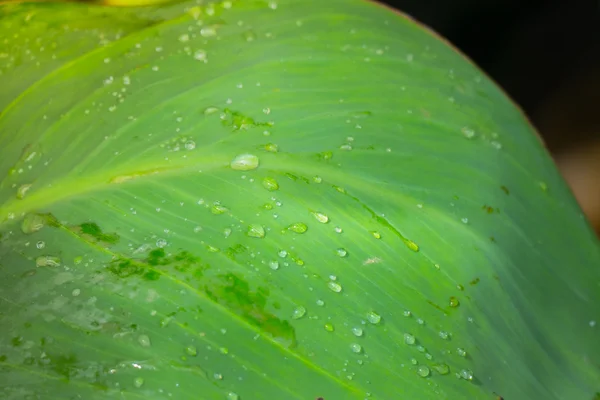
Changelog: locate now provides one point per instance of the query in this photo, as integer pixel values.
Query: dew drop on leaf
(256, 231)
(47, 261)
(322, 218)
(244, 162)
(334, 286)
(138, 382)
(341, 252)
(356, 348)
(144, 340)
(461, 352)
(232, 396)
(454, 302)
(423, 371)
(329, 327)
(409, 339)
(298, 227)
(191, 350)
(299, 312)
(357, 331)
(442, 369)
(270, 184)
(373, 317)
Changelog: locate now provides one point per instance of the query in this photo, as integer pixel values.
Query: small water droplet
(256, 231)
(407, 313)
(356, 348)
(271, 147)
(274, 265)
(337, 229)
(423, 371)
(334, 286)
(444, 335)
(376, 234)
(409, 339)
(160, 243)
(461, 352)
(299, 312)
(329, 327)
(40, 245)
(357, 331)
(210, 110)
(208, 31)
(468, 132)
(317, 179)
(341, 252)
(144, 340)
(282, 253)
(298, 227)
(138, 382)
(218, 209)
(244, 162)
(322, 218)
(22, 191)
(224, 350)
(373, 317)
(454, 302)
(270, 184)
(191, 350)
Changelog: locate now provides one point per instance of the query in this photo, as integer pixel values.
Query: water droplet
(244, 162)
(461, 352)
(210, 110)
(218, 209)
(144, 340)
(40, 245)
(423, 371)
(317, 179)
(299, 312)
(191, 350)
(47, 261)
(190, 145)
(298, 227)
(356, 348)
(466, 374)
(282, 253)
(208, 31)
(34, 222)
(420, 321)
(22, 190)
(224, 350)
(161, 243)
(341, 252)
(376, 234)
(138, 382)
(329, 327)
(256, 231)
(468, 132)
(442, 369)
(444, 335)
(232, 396)
(407, 313)
(465, 220)
(412, 245)
(337, 229)
(357, 331)
(334, 286)
(274, 265)
(373, 317)
(409, 339)
(271, 147)
(270, 184)
(543, 186)
(322, 218)
(454, 302)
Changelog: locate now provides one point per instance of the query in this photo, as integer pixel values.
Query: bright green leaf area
(291, 199)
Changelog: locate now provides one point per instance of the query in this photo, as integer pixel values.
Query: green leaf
(278, 200)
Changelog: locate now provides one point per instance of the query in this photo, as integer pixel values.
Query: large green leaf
(278, 200)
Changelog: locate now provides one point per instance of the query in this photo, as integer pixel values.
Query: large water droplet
(299, 312)
(33, 223)
(144, 340)
(256, 231)
(454, 302)
(244, 162)
(423, 371)
(191, 350)
(341, 252)
(270, 184)
(47, 261)
(334, 286)
(442, 369)
(409, 339)
(322, 218)
(373, 317)
(298, 227)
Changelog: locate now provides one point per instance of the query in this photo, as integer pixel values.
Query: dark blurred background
(546, 55)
